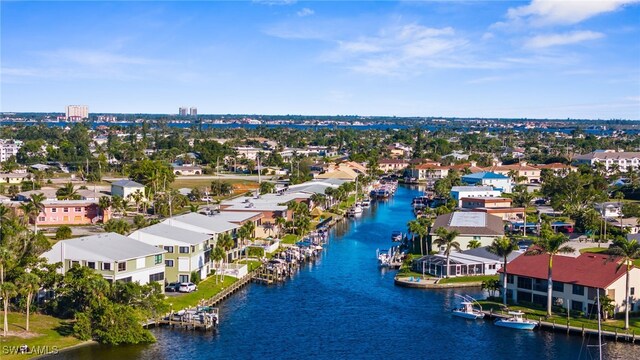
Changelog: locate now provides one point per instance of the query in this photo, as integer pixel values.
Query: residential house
(124, 188)
(392, 165)
(250, 152)
(340, 171)
(629, 225)
(470, 226)
(575, 281)
(497, 206)
(465, 263)
(497, 181)
(13, 178)
(609, 209)
(49, 194)
(556, 168)
(115, 257)
(611, 160)
(529, 174)
(186, 170)
(461, 192)
(429, 172)
(457, 155)
(187, 251)
(270, 205)
(72, 212)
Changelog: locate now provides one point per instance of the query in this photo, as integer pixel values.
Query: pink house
(72, 212)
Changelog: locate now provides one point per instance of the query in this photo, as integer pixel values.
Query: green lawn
(594, 250)
(45, 331)
(202, 183)
(463, 279)
(289, 239)
(206, 289)
(537, 313)
(251, 264)
(412, 273)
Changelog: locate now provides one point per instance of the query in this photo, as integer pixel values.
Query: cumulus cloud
(561, 12)
(305, 12)
(574, 37)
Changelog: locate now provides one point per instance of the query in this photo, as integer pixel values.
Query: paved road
(211, 177)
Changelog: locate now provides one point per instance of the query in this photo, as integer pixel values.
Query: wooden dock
(566, 327)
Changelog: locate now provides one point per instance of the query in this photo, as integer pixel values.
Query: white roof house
(114, 256)
(201, 223)
(124, 188)
(164, 234)
(459, 192)
(266, 202)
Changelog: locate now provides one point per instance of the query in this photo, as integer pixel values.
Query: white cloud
(561, 12)
(305, 12)
(274, 2)
(574, 37)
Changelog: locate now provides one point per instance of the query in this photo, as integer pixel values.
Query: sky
(527, 59)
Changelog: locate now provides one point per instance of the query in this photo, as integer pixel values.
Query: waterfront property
(575, 281)
(499, 182)
(186, 251)
(124, 188)
(528, 174)
(497, 206)
(392, 165)
(460, 192)
(472, 262)
(611, 159)
(115, 257)
(470, 226)
(270, 205)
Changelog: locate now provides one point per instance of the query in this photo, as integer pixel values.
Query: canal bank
(342, 306)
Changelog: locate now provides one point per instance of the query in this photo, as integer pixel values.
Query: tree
(280, 221)
(37, 200)
(447, 239)
(217, 255)
(421, 228)
(550, 244)
(140, 221)
(7, 291)
(155, 174)
(267, 187)
(474, 244)
(117, 226)
(221, 188)
(67, 192)
(492, 286)
(503, 247)
(627, 250)
(63, 232)
(29, 284)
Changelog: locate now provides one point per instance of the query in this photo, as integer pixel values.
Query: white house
(460, 192)
(124, 188)
(624, 160)
(470, 226)
(498, 181)
(114, 256)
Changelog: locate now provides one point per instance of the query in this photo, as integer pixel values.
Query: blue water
(344, 307)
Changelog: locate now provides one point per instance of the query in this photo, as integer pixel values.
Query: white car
(187, 287)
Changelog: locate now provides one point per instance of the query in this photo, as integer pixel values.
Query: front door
(184, 278)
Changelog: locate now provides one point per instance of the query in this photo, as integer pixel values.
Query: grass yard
(251, 264)
(206, 289)
(290, 239)
(537, 313)
(465, 279)
(594, 250)
(239, 184)
(45, 333)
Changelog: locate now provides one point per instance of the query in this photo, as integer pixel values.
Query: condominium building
(182, 111)
(193, 111)
(8, 148)
(77, 112)
(612, 160)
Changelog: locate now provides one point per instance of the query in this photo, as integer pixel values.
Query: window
(169, 249)
(539, 299)
(54, 210)
(510, 279)
(156, 277)
(524, 283)
(558, 286)
(74, 263)
(91, 265)
(41, 218)
(184, 249)
(106, 266)
(158, 259)
(168, 263)
(540, 285)
(476, 238)
(524, 296)
(125, 280)
(78, 209)
(122, 266)
(576, 305)
(592, 293)
(193, 248)
(632, 291)
(65, 209)
(184, 278)
(578, 289)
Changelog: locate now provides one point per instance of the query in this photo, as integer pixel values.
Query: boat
(366, 203)
(470, 308)
(396, 236)
(516, 321)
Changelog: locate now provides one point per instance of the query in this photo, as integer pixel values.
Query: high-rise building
(77, 112)
(193, 111)
(182, 111)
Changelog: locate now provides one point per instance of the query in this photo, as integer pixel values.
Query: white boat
(366, 203)
(469, 309)
(516, 321)
(357, 209)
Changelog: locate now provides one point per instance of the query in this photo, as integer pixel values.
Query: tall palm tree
(550, 244)
(37, 200)
(416, 227)
(447, 239)
(4, 213)
(28, 209)
(217, 255)
(627, 250)
(67, 192)
(503, 247)
(7, 291)
(280, 221)
(29, 284)
(5, 257)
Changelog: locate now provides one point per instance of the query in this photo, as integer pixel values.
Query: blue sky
(535, 59)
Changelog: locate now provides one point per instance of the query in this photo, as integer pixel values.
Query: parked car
(187, 287)
(172, 287)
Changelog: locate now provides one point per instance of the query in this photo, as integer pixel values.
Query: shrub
(82, 327)
(195, 277)
(256, 252)
(63, 232)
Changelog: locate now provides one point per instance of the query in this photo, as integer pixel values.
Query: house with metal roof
(466, 263)
(499, 182)
(187, 251)
(124, 188)
(470, 226)
(114, 256)
(576, 281)
(458, 193)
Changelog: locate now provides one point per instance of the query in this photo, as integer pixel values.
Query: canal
(343, 307)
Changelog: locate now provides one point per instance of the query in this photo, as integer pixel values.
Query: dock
(567, 328)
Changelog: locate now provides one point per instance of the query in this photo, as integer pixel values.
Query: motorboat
(516, 321)
(396, 236)
(469, 309)
(366, 203)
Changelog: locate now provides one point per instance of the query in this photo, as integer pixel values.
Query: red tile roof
(593, 270)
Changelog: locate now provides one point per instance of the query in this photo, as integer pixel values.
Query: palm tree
(28, 209)
(550, 244)
(67, 192)
(503, 247)
(627, 250)
(29, 284)
(4, 213)
(7, 290)
(416, 227)
(217, 255)
(474, 244)
(5, 257)
(447, 239)
(37, 200)
(280, 221)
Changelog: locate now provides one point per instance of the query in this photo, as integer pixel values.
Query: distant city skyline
(537, 59)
